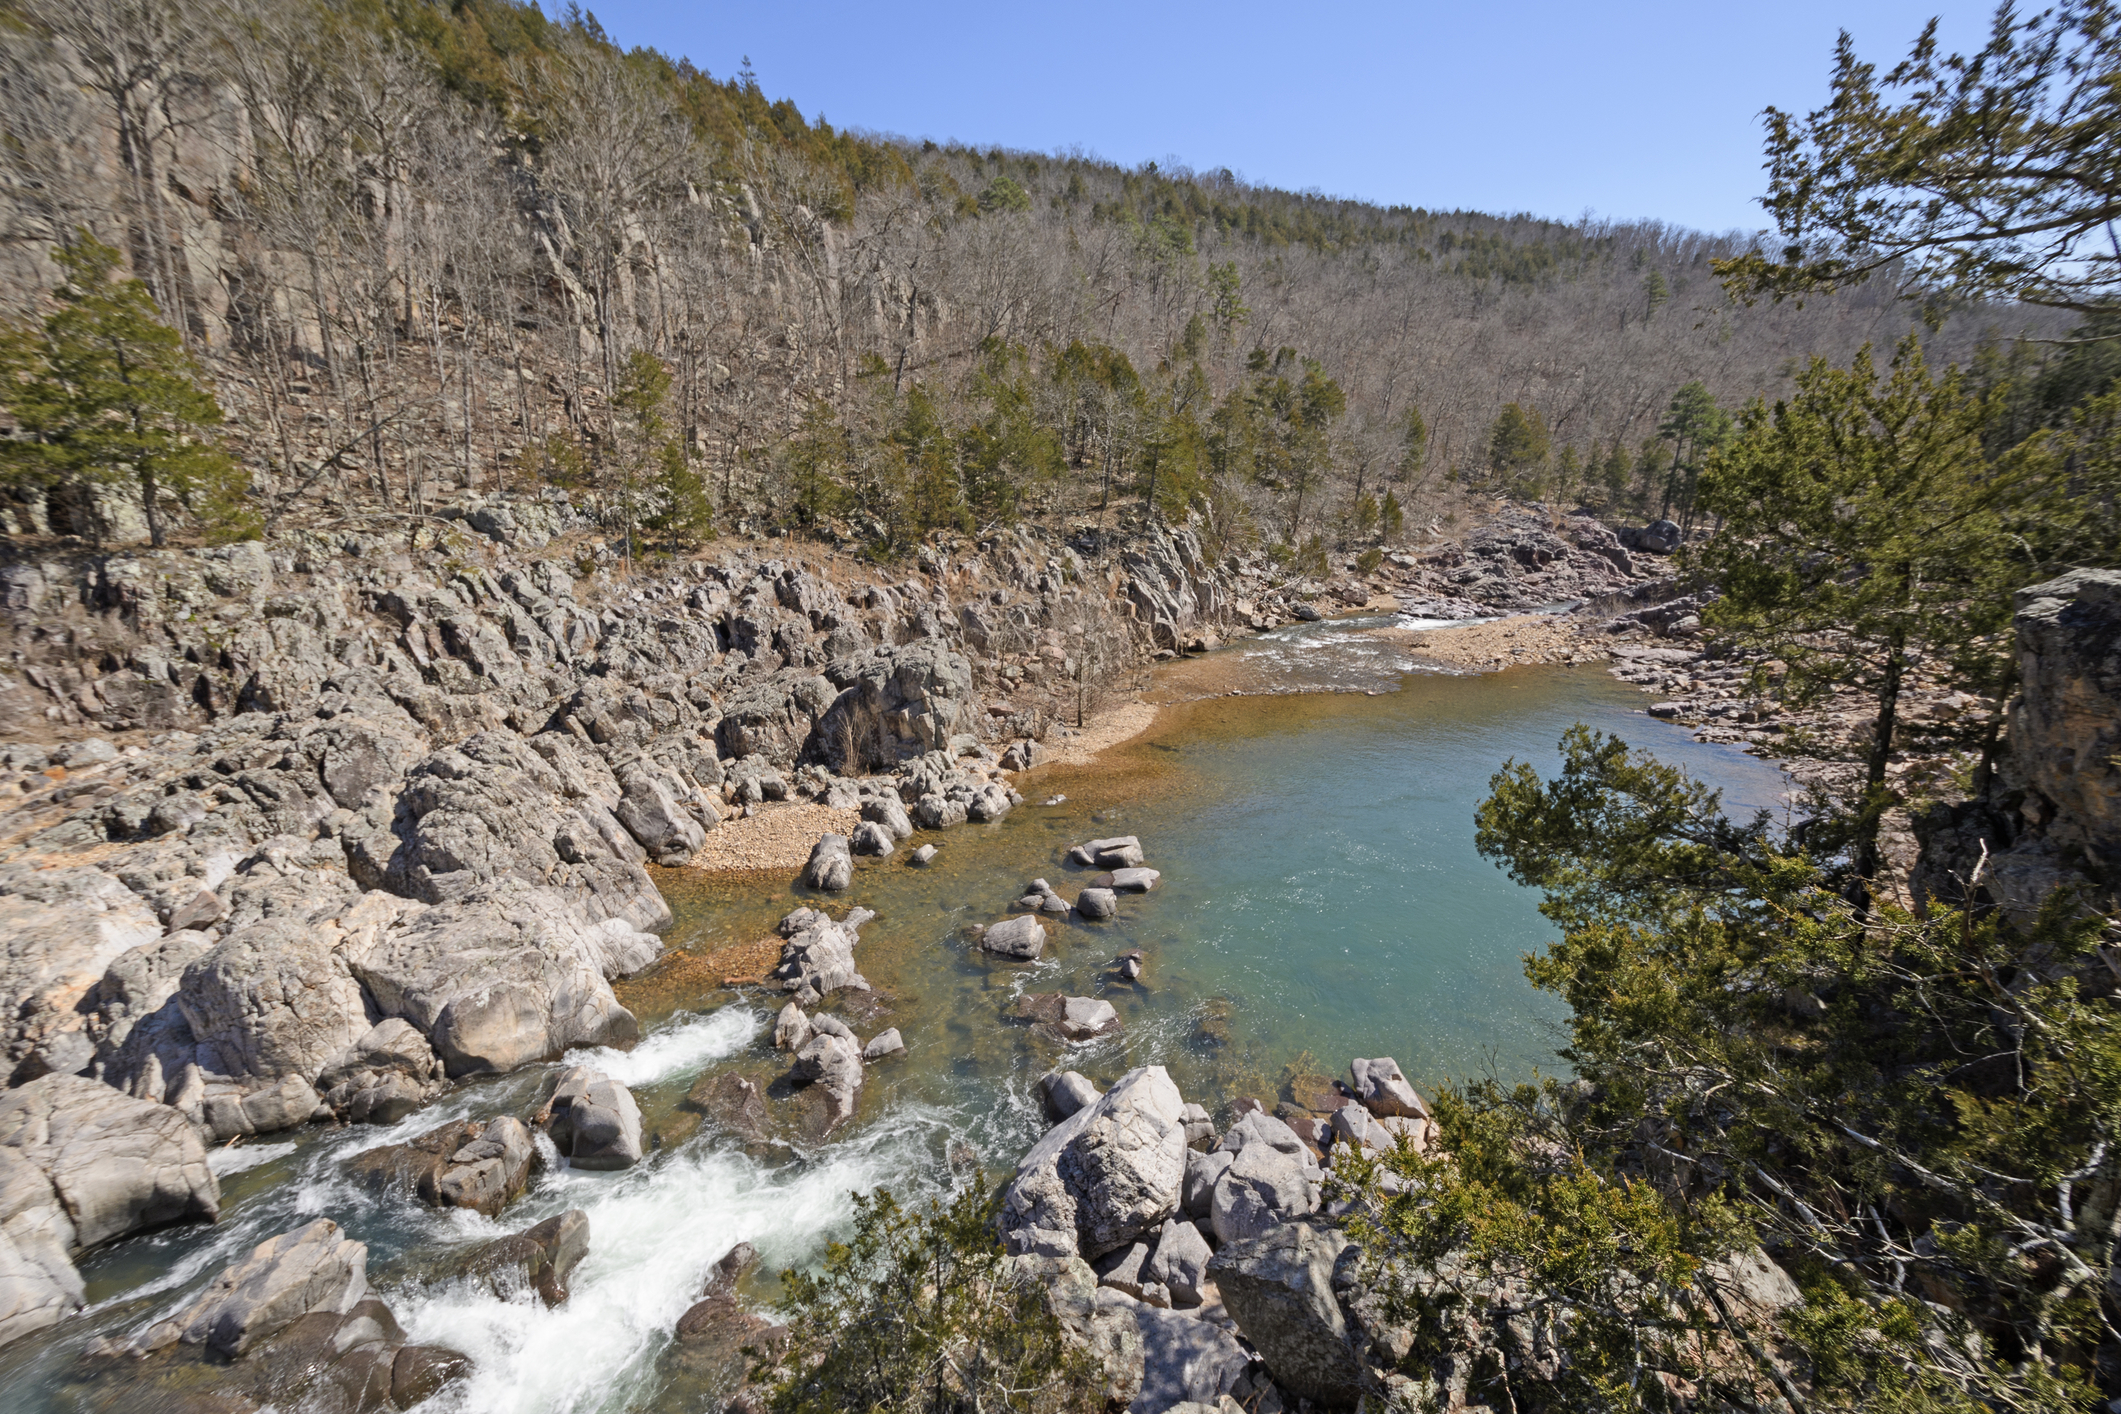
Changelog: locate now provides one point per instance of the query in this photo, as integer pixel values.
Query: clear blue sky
(1641, 110)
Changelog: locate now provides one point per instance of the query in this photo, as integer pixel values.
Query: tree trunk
(148, 498)
(1875, 796)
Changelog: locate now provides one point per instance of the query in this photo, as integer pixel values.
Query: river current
(1321, 899)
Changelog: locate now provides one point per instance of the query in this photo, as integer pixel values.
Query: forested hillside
(421, 246)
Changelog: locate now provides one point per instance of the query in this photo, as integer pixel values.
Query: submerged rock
(1065, 1092)
(538, 1259)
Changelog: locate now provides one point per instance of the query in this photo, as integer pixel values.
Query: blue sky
(1645, 110)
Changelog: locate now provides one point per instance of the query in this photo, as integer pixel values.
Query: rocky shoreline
(308, 832)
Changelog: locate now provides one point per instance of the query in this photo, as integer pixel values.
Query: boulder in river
(871, 840)
(539, 1258)
(116, 1164)
(791, 1029)
(1064, 1018)
(289, 1326)
(1065, 1092)
(1022, 937)
(1040, 898)
(384, 1076)
(1120, 852)
(1279, 1289)
(830, 867)
(310, 1270)
(592, 1119)
(481, 1165)
(922, 855)
(1129, 881)
(887, 1043)
(888, 812)
(1383, 1090)
(1097, 904)
(738, 1105)
(706, 1350)
(819, 953)
(1106, 1175)
(832, 1065)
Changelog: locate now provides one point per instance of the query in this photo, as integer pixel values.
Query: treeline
(418, 246)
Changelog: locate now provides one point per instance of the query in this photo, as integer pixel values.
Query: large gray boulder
(1022, 937)
(650, 814)
(312, 1269)
(897, 703)
(593, 1120)
(1065, 1092)
(1202, 1172)
(872, 840)
(818, 956)
(229, 1110)
(480, 1165)
(117, 1164)
(64, 927)
(1105, 1176)
(1278, 1287)
(833, 1064)
(1181, 1262)
(1104, 1330)
(504, 977)
(1185, 1360)
(1383, 1090)
(1119, 852)
(830, 867)
(497, 807)
(1271, 1179)
(38, 1284)
(384, 1076)
(888, 813)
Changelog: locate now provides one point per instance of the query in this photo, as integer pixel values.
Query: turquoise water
(1321, 900)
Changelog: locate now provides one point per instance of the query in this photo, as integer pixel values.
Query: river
(1321, 899)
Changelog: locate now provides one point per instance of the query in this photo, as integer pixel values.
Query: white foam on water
(688, 1044)
(655, 1232)
(225, 1161)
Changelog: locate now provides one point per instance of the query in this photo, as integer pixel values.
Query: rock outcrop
(290, 1326)
(1104, 1176)
(1278, 1286)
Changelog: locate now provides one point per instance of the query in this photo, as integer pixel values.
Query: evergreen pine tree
(107, 399)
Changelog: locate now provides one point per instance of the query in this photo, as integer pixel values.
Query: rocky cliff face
(2052, 816)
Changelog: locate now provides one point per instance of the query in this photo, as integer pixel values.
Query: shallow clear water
(1321, 900)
